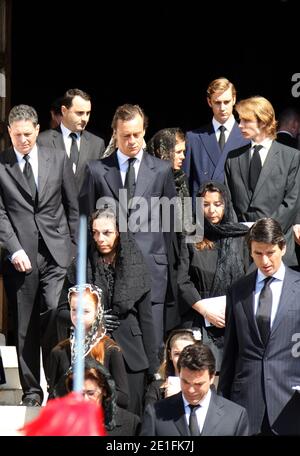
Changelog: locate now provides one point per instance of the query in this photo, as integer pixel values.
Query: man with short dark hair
(196, 410)
(71, 135)
(260, 369)
(38, 231)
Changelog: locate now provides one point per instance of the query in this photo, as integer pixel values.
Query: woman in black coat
(116, 265)
(209, 267)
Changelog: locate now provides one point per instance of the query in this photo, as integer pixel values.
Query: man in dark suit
(151, 180)
(196, 410)
(207, 147)
(76, 110)
(288, 127)
(264, 177)
(38, 226)
(260, 367)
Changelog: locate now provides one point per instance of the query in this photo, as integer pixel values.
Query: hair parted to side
(23, 112)
(67, 99)
(260, 109)
(220, 85)
(107, 212)
(197, 357)
(266, 230)
(167, 368)
(128, 112)
(162, 144)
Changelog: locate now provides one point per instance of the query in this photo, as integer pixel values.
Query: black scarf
(230, 263)
(131, 277)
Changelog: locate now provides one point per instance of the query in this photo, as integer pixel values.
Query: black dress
(196, 275)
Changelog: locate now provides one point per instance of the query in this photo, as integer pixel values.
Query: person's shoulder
(200, 130)
(51, 152)
(236, 153)
(168, 402)
(47, 134)
(92, 136)
(6, 154)
(293, 274)
(288, 150)
(155, 162)
(231, 407)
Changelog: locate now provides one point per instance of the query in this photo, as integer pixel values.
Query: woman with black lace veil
(209, 267)
(169, 144)
(116, 265)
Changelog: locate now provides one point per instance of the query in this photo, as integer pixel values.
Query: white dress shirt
(200, 412)
(228, 127)
(33, 160)
(123, 163)
(266, 145)
(276, 287)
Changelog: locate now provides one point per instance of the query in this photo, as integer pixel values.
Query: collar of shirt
(276, 287)
(123, 163)
(279, 274)
(204, 402)
(266, 145)
(67, 139)
(122, 158)
(228, 124)
(32, 156)
(33, 160)
(286, 133)
(200, 412)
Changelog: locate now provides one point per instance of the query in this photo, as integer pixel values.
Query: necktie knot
(222, 137)
(257, 148)
(268, 281)
(26, 158)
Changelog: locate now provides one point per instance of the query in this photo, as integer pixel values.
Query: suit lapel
(210, 143)
(214, 414)
(179, 416)
(287, 296)
(83, 152)
(13, 168)
(112, 174)
(44, 161)
(269, 164)
(244, 163)
(58, 139)
(248, 301)
(145, 176)
(232, 139)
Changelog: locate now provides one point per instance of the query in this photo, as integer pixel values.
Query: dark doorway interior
(160, 57)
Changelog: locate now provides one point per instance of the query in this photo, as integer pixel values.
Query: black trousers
(33, 298)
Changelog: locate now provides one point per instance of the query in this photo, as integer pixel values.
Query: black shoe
(30, 402)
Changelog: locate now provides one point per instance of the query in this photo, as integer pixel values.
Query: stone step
(10, 364)
(11, 391)
(13, 418)
(10, 397)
